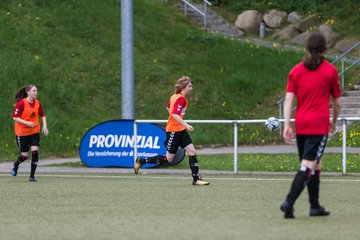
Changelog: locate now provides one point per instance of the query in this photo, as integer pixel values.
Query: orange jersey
(177, 105)
(30, 114)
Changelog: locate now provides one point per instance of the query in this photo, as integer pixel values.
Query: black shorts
(25, 142)
(311, 147)
(174, 140)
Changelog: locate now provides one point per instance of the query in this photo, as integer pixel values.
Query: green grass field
(169, 207)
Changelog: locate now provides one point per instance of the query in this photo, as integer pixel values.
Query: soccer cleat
(32, 179)
(287, 210)
(14, 171)
(137, 166)
(316, 212)
(200, 182)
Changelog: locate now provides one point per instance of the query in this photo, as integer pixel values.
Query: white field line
(325, 179)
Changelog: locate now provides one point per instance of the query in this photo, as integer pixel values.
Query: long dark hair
(22, 92)
(316, 46)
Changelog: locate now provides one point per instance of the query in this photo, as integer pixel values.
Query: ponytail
(316, 46)
(22, 93)
(313, 61)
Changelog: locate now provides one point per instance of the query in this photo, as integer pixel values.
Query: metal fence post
(280, 117)
(343, 73)
(262, 30)
(235, 147)
(344, 146)
(135, 142)
(205, 17)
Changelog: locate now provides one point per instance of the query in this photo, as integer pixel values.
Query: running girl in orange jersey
(176, 134)
(27, 127)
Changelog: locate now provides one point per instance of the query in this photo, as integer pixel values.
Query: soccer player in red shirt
(313, 82)
(27, 127)
(176, 134)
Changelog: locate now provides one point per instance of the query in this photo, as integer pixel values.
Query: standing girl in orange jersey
(27, 127)
(176, 134)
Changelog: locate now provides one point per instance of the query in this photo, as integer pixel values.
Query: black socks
(20, 159)
(34, 162)
(313, 189)
(194, 166)
(311, 179)
(300, 181)
(158, 159)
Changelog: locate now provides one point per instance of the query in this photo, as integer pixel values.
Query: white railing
(188, 3)
(235, 124)
(342, 58)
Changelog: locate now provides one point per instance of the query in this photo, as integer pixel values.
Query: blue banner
(111, 143)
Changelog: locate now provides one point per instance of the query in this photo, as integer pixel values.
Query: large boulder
(328, 33)
(249, 21)
(286, 34)
(301, 38)
(306, 23)
(275, 18)
(325, 29)
(294, 17)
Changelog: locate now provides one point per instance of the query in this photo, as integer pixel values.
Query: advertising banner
(111, 144)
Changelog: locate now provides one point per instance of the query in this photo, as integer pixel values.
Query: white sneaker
(200, 182)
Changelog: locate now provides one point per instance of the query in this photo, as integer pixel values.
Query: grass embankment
(71, 51)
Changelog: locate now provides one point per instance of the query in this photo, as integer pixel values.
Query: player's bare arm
(45, 130)
(336, 112)
(182, 122)
(288, 132)
(27, 123)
